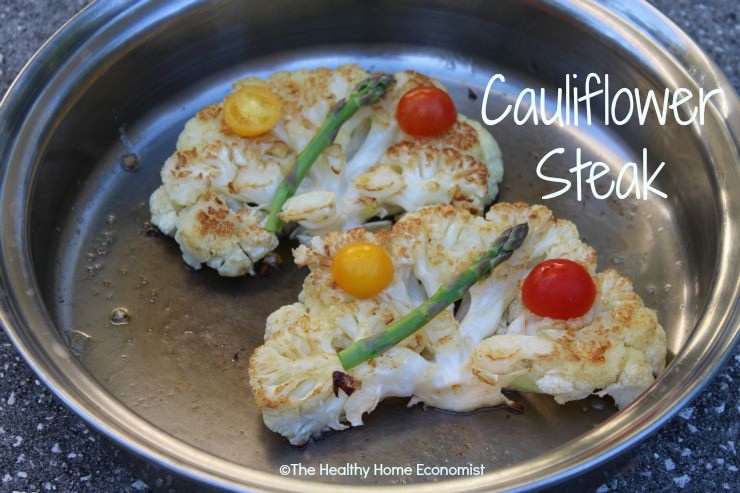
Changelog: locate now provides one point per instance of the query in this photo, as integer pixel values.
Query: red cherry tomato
(559, 288)
(426, 112)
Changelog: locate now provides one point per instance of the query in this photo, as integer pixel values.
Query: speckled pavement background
(44, 447)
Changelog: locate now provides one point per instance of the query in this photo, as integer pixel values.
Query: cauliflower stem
(370, 347)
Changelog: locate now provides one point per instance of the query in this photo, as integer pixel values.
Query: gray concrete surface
(44, 447)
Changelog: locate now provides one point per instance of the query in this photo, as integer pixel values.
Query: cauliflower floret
(460, 360)
(164, 212)
(372, 169)
(412, 175)
(296, 368)
(226, 239)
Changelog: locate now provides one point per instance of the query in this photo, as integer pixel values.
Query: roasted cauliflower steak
(373, 169)
(463, 358)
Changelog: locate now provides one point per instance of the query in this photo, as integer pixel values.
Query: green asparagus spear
(370, 347)
(367, 92)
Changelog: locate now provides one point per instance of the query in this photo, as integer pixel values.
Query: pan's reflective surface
(172, 382)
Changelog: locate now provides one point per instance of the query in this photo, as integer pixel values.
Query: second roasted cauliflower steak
(459, 361)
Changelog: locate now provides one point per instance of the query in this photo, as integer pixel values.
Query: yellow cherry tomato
(252, 110)
(362, 269)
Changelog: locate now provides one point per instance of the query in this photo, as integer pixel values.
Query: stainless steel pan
(119, 81)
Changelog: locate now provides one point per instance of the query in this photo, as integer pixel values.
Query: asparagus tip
(374, 87)
(515, 236)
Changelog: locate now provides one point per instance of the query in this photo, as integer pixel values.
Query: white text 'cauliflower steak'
(457, 362)
(217, 185)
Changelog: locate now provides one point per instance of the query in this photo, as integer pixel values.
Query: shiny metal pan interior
(123, 77)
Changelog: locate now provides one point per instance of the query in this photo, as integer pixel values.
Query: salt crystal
(687, 413)
(22, 474)
(720, 409)
(602, 489)
(669, 465)
(685, 452)
(18, 441)
(55, 449)
(693, 429)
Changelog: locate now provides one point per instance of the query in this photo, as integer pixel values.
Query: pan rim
(17, 313)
